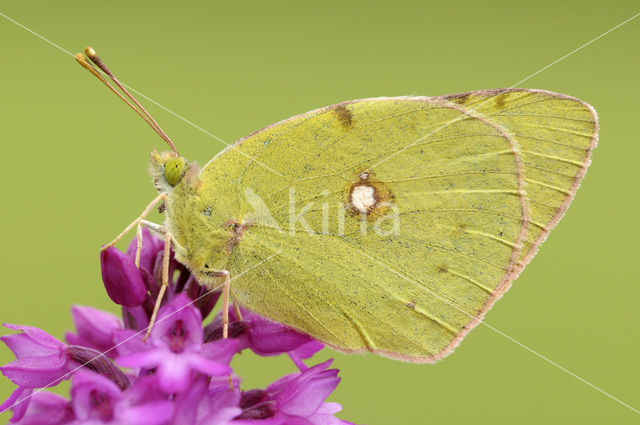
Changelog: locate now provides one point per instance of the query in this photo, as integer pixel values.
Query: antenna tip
(89, 51)
(80, 58)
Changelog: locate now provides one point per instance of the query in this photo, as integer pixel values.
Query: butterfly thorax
(204, 238)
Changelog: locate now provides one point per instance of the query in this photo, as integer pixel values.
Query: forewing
(411, 276)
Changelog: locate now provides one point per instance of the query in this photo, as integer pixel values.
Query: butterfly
(385, 225)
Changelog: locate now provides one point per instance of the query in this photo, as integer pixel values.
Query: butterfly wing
(410, 277)
(556, 134)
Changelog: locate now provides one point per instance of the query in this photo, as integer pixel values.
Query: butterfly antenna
(91, 54)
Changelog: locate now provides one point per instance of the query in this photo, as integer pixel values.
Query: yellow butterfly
(389, 225)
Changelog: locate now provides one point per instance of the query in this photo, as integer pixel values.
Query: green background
(74, 162)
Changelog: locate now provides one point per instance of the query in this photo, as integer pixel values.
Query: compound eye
(173, 170)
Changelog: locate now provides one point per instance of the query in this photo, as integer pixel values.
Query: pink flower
(96, 400)
(45, 409)
(176, 349)
(179, 376)
(201, 406)
(95, 329)
(264, 337)
(295, 399)
(41, 359)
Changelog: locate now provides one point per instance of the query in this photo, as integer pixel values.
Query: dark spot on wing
(443, 269)
(461, 100)
(501, 100)
(411, 304)
(236, 231)
(344, 116)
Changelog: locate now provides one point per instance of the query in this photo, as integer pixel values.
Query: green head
(174, 170)
(168, 169)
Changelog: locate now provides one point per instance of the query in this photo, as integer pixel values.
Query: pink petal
(46, 408)
(95, 327)
(304, 394)
(325, 415)
(154, 413)
(128, 341)
(37, 372)
(135, 317)
(147, 359)
(276, 420)
(329, 408)
(82, 385)
(174, 374)
(23, 345)
(308, 349)
(37, 335)
(192, 404)
(309, 396)
(18, 401)
(326, 420)
(224, 417)
(145, 390)
(269, 338)
(284, 382)
(206, 366)
(297, 420)
(221, 383)
(226, 398)
(221, 350)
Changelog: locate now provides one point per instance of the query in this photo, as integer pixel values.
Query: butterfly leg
(225, 303)
(136, 222)
(165, 283)
(138, 245)
(169, 242)
(225, 311)
(226, 289)
(159, 228)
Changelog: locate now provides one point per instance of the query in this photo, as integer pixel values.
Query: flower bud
(122, 279)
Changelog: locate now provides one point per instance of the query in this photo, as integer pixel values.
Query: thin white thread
(137, 333)
(36, 34)
(531, 350)
(505, 90)
(149, 99)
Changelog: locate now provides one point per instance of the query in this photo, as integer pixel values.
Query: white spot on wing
(362, 198)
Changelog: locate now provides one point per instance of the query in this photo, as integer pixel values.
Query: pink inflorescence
(180, 375)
